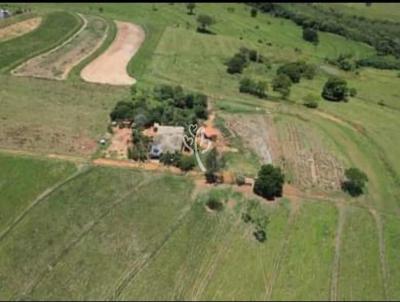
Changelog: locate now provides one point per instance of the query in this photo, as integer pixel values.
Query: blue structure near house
(155, 151)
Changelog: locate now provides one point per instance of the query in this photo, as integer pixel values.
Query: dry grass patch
(19, 29)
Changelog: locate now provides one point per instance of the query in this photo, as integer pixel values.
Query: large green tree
(335, 89)
(269, 182)
(355, 181)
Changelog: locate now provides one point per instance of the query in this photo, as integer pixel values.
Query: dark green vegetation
(269, 182)
(55, 28)
(165, 104)
(355, 181)
(310, 34)
(335, 89)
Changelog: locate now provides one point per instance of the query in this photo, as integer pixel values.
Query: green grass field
(129, 234)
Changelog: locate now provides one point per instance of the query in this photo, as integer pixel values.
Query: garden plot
(111, 66)
(57, 63)
(19, 29)
(254, 131)
(306, 156)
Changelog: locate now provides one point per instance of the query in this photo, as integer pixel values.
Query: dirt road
(111, 66)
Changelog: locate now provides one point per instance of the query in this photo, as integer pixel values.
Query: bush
(186, 163)
(310, 35)
(250, 86)
(170, 159)
(269, 183)
(355, 181)
(236, 64)
(353, 92)
(295, 70)
(311, 101)
(335, 89)
(210, 176)
(281, 83)
(240, 180)
(255, 215)
(214, 204)
(253, 12)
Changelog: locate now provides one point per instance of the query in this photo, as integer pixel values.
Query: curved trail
(111, 66)
(85, 22)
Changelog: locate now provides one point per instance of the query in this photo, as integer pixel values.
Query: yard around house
(75, 230)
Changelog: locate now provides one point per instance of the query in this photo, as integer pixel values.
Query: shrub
(311, 101)
(250, 86)
(353, 92)
(281, 83)
(214, 204)
(186, 163)
(210, 176)
(236, 64)
(295, 70)
(170, 159)
(310, 35)
(253, 12)
(240, 180)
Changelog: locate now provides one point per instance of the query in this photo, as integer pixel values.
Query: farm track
(81, 171)
(382, 252)
(134, 271)
(86, 230)
(210, 269)
(85, 22)
(336, 260)
(284, 247)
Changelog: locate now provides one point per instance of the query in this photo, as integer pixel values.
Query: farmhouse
(210, 133)
(166, 139)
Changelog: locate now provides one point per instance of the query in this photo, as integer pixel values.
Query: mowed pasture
(57, 63)
(56, 27)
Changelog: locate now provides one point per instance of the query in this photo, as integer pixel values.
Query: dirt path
(336, 259)
(382, 253)
(111, 66)
(18, 29)
(284, 247)
(16, 70)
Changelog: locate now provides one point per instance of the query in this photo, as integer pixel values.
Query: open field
(55, 28)
(54, 116)
(57, 63)
(111, 66)
(18, 29)
(111, 233)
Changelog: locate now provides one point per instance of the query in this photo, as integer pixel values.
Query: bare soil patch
(19, 29)
(120, 142)
(58, 62)
(111, 66)
(309, 161)
(254, 130)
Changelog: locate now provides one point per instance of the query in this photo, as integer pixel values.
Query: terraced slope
(55, 28)
(58, 62)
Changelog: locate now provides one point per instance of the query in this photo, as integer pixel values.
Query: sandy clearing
(19, 29)
(111, 66)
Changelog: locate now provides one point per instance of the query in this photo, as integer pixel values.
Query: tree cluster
(381, 34)
(214, 162)
(241, 59)
(166, 105)
(296, 70)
